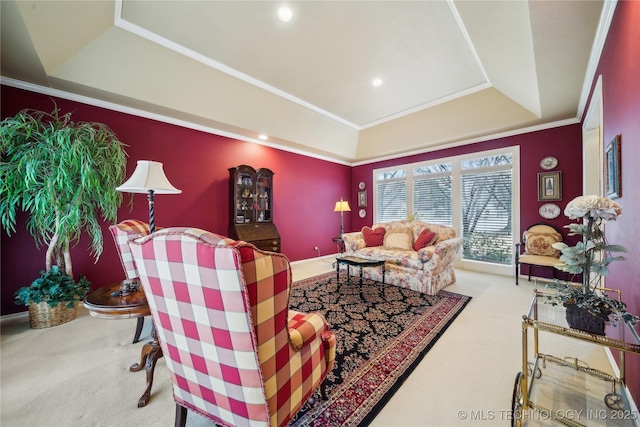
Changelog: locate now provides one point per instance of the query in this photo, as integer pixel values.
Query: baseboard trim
(332, 257)
(12, 319)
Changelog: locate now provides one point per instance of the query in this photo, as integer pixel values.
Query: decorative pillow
(425, 238)
(540, 244)
(399, 238)
(373, 237)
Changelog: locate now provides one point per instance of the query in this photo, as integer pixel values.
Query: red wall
(564, 143)
(305, 191)
(620, 70)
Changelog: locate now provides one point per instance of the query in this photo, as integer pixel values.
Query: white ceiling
(452, 71)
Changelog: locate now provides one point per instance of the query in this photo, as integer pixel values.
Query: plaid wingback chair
(122, 233)
(234, 350)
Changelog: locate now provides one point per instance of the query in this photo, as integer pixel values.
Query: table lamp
(342, 207)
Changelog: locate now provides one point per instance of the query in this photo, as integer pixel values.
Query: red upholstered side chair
(235, 352)
(122, 233)
(538, 252)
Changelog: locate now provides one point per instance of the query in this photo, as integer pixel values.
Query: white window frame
(456, 202)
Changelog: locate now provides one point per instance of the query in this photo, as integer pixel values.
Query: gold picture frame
(549, 186)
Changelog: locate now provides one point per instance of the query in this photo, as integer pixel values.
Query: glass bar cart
(566, 389)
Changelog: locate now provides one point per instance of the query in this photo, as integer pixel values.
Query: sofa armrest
(305, 328)
(353, 241)
(445, 253)
(426, 253)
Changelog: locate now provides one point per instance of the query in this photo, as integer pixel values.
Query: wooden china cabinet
(251, 213)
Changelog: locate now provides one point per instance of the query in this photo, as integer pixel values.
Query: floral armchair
(536, 249)
(234, 350)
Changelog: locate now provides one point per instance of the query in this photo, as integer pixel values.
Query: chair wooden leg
(181, 416)
(139, 327)
(323, 390)
(517, 272)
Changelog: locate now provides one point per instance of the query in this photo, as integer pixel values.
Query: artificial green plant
(63, 174)
(590, 257)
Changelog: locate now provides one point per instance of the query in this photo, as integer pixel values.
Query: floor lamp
(149, 178)
(342, 207)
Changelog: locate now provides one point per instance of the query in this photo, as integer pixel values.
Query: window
(391, 195)
(486, 208)
(486, 216)
(432, 193)
(473, 193)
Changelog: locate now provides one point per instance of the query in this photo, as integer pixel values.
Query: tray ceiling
(451, 71)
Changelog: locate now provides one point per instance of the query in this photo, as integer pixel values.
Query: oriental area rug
(382, 333)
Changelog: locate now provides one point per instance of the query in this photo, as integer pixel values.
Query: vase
(582, 319)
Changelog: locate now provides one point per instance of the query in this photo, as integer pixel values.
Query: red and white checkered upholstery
(234, 350)
(122, 233)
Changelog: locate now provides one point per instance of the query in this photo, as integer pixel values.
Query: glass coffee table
(354, 261)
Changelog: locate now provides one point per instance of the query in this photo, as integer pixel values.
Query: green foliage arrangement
(53, 287)
(63, 174)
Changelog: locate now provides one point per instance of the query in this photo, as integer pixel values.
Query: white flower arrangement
(590, 257)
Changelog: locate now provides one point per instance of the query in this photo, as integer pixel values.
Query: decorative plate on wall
(549, 210)
(548, 163)
(362, 213)
(361, 186)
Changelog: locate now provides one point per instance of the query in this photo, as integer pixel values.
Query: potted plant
(52, 298)
(63, 174)
(587, 308)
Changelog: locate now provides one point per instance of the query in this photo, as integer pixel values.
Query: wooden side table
(340, 243)
(105, 304)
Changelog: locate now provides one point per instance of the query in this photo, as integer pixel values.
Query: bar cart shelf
(566, 389)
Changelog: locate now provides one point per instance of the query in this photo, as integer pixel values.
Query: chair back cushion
(122, 233)
(199, 303)
(539, 238)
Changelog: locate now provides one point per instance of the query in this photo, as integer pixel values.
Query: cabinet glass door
(244, 198)
(263, 198)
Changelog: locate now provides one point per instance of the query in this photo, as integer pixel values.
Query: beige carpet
(77, 374)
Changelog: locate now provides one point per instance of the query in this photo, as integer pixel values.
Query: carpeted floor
(77, 374)
(382, 333)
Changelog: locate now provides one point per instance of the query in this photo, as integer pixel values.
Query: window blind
(486, 216)
(391, 201)
(432, 199)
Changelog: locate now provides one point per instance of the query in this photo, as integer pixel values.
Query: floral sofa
(419, 255)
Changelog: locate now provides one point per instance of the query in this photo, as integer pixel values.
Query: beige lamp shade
(149, 175)
(342, 206)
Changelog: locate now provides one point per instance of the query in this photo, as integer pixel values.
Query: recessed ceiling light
(285, 14)
(262, 136)
(376, 82)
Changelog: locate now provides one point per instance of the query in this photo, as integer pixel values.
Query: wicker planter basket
(42, 315)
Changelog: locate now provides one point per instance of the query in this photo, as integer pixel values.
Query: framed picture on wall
(612, 182)
(549, 186)
(362, 199)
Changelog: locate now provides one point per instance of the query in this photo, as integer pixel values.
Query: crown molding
(608, 9)
(158, 117)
